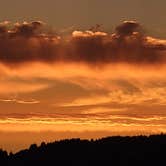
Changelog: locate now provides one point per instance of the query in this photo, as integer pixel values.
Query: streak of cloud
(20, 101)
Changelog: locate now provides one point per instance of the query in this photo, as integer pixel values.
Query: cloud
(27, 29)
(127, 28)
(89, 77)
(20, 101)
(14, 87)
(30, 42)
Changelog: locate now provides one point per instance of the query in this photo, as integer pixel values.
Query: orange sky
(87, 84)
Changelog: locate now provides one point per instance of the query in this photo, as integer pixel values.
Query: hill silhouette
(117, 150)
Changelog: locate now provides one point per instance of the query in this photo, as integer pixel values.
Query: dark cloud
(128, 28)
(27, 29)
(3, 28)
(27, 42)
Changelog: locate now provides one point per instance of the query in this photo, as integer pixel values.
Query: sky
(85, 69)
(85, 13)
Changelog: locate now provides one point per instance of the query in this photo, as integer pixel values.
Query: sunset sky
(81, 68)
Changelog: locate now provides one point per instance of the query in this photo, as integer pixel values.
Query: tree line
(117, 150)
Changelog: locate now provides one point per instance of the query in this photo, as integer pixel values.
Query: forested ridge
(117, 150)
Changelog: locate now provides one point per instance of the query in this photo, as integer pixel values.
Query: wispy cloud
(20, 101)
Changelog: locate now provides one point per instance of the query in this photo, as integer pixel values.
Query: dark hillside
(118, 151)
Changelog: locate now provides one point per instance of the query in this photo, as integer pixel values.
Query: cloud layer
(85, 81)
(29, 42)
